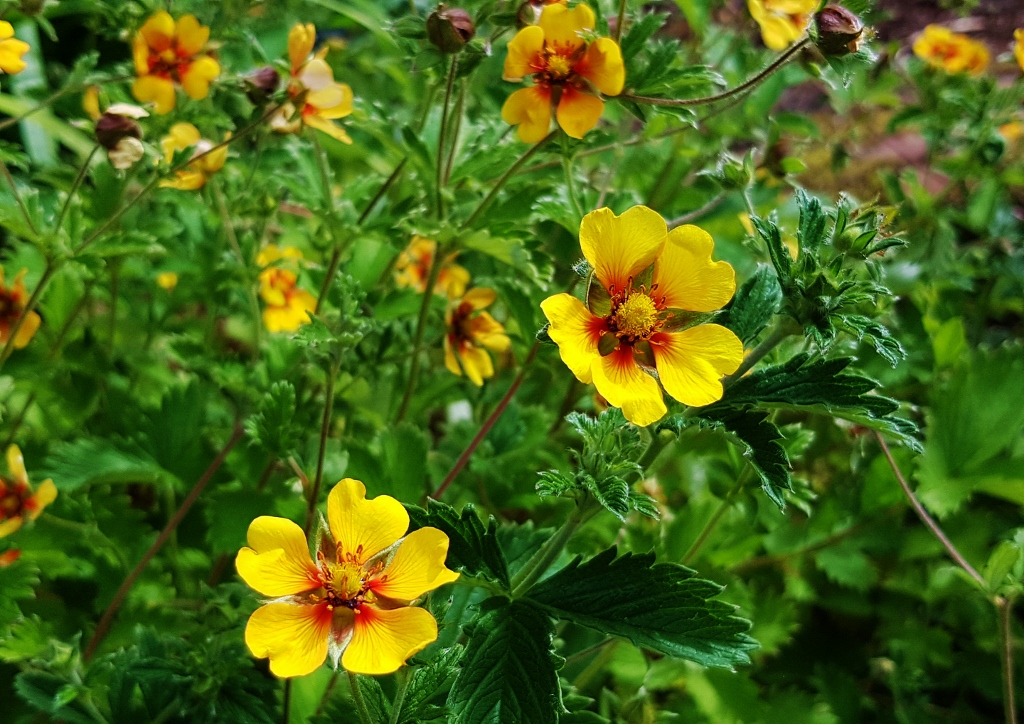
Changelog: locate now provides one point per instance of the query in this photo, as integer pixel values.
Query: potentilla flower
(354, 602)
(569, 70)
(413, 269)
(782, 22)
(288, 305)
(198, 172)
(12, 307)
(167, 281)
(11, 50)
(315, 99)
(9, 557)
(1018, 46)
(471, 332)
(168, 54)
(644, 276)
(952, 52)
(17, 501)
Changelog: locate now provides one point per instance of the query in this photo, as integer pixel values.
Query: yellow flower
(1018, 46)
(568, 71)
(288, 306)
(315, 99)
(782, 22)
(952, 52)
(354, 602)
(471, 332)
(168, 54)
(272, 253)
(630, 328)
(413, 268)
(196, 174)
(11, 50)
(167, 280)
(12, 306)
(17, 501)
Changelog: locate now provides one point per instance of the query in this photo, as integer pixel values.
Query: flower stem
(17, 197)
(743, 87)
(286, 704)
(229, 232)
(460, 105)
(617, 34)
(103, 627)
(357, 697)
(421, 324)
(325, 429)
(1006, 645)
(74, 188)
(30, 305)
(570, 188)
(403, 677)
(537, 566)
(780, 332)
(442, 132)
(505, 177)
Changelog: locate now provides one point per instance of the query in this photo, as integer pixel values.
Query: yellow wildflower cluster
(951, 52)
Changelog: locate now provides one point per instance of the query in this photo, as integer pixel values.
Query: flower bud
(839, 30)
(112, 128)
(126, 153)
(449, 29)
(262, 83)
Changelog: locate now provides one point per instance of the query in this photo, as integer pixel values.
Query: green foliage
(754, 305)
(473, 547)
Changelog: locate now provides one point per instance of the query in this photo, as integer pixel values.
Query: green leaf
(754, 305)
(271, 427)
(768, 230)
(424, 696)
(377, 705)
(660, 606)
(508, 673)
(640, 32)
(999, 564)
(86, 461)
(473, 548)
(822, 386)
(229, 513)
(880, 338)
(18, 580)
(405, 449)
(811, 231)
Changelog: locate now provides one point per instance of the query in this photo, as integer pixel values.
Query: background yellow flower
(17, 501)
(169, 54)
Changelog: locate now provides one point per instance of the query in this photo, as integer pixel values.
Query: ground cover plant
(600, 361)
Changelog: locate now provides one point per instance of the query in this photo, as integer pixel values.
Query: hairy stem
(1003, 606)
(779, 333)
(421, 324)
(537, 566)
(74, 188)
(325, 429)
(442, 132)
(357, 697)
(505, 177)
(229, 232)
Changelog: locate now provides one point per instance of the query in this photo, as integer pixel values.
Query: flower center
(13, 496)
(559, 66)
(345, 581)
(637, 316)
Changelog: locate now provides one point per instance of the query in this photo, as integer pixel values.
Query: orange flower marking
(471, 332)
(354, 602)
(12, 307)
(169, 54)
(413, 268)
(952, 52)
(630, 328)
(17, 501)
(288, 305)
(568, 72)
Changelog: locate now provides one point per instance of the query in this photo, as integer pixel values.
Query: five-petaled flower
(413, 269)
(952, 52)
(645, 278)
(315, 99)
(354, 602)
(12, 306)
(11, 50)
(169, 54)
(568, 70)
(471, 332)
(17, 501)
(206, 160)
(288, 305)
(782, 21)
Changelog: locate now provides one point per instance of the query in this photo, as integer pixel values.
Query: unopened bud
(449, 29)
(126, 153)
(839, 30)
(112, 128)
(262, 83)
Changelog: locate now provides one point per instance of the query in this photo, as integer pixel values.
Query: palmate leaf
(473, 548)
(821, 386)
(508, 673)
(660, 606)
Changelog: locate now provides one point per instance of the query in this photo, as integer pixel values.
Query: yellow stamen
(636, 316)
(347, 580)
(558, 65)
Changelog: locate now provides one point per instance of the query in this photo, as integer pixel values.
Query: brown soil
(992, 20)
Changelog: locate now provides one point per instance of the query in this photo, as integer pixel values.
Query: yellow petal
(562, 26)
(10, 55)
(325, 126)
(603, 66)
(140, 55)
(280, 319)
(190, 35)
(158, 31)
(480, 297)
(337, 105)
(792, 7)
(167, 280)
(6, 30)
(686, 276)
(181, 136)
(159, 91)
(277, 561)
(362, 528)
(383, 639)
(476, 363)
(450, 361)
(417, 567)
(620, 247)
(91, 102)
(452, 281)
(578, 112)
(524, 54)
(16, 464)
(46, 493)
(195, 81)
(300, 44)
(293, 635)
(212, 159)
(1018, 47)
(9, 526)
(28, 330)
(317, 75)
(185, 180)
(576, 332)
(620, 380)
(530, 109)
(691, 363)
(488, 332)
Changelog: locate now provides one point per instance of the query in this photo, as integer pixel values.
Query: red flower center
(15, 499)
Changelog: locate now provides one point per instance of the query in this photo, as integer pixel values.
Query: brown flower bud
(839, 30)
(449, 29)
(262, 83)
(126, 153)
(112, 127)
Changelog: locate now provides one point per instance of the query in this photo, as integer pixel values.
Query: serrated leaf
(660, 606)
(271, 426)
(999, 564)
(427, 684)
(811, 231)
(377, 705)
(640, 32)
(754, 305)
(768, 230)
(86, 461)
(508, 672)
(472, 548)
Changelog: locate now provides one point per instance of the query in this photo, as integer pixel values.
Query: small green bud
(839, 31)
(449, 29)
